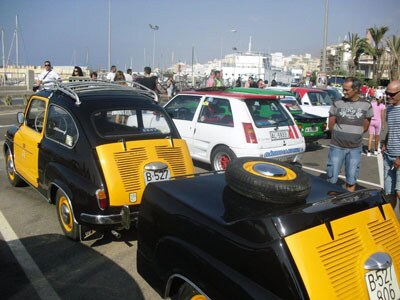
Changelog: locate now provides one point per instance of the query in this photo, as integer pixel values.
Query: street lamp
(154, 28)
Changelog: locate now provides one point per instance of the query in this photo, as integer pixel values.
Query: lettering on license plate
(157, 175)
(279, 134)
(311, 129)
(383, 284)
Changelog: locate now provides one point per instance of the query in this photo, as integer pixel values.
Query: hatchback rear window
(111, 123)
(268, 113)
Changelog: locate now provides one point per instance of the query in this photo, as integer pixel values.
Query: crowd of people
(361, 109)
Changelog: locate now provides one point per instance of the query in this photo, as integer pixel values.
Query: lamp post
(154, 28)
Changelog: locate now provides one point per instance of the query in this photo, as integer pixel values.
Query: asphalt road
(57, 268)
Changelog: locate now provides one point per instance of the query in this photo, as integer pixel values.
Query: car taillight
(300, 126)
(324, 127)
(249, 133)
(101, 199)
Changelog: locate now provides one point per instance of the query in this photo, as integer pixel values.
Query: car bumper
(124, 218)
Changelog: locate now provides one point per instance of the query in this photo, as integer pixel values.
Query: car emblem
(378, 261)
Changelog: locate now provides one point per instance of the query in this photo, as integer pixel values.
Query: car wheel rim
(269, 170)
(221, 161)
(65, 214)
(10, 167)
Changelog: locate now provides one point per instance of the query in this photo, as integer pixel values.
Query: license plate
(279, 134)
(158, 175)
(311, 129)
(383, 284)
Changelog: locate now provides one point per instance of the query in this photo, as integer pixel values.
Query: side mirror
(20, 117)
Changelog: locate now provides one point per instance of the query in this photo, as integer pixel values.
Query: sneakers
(376, 153)
(369, 153)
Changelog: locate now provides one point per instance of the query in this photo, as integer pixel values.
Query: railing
(12, 79)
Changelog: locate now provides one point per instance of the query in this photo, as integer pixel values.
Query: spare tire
(268, 180)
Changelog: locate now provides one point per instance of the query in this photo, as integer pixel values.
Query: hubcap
(65, 214)
(269, 170)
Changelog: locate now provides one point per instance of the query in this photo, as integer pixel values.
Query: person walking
(391, 144)
(170, 86)
(377, 124)
(349, 118)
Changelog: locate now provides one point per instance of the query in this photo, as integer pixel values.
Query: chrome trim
(107, 219)
(269, 170)
(378, 261)
(155, 166)
(169, 283)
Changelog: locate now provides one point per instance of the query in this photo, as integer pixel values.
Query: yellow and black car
(267, 230)
(91, 148)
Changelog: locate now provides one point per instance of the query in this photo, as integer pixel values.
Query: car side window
(216, 111)
(60, 127)
(183, 107)
(35, 116)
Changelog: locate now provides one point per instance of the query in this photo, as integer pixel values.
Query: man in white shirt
(47, 76)
(110, 76)
(128, 75)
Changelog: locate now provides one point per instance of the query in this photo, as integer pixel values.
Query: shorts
(391, 177)
(337, 156)
(375, 127)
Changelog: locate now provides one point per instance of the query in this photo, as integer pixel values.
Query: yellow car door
(27, 140)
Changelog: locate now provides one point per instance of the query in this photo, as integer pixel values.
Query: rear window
(291, 104)
(319, 98)
(119, 123)
(268, 113)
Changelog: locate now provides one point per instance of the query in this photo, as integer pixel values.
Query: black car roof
(79, 89)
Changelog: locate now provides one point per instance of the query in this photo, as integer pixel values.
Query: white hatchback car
(220, 126)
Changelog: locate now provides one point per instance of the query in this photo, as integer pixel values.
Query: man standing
(349, 118)
(391, 145)
(47, 76)
(110, 75)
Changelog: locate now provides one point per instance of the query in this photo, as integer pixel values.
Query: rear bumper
(124, 218)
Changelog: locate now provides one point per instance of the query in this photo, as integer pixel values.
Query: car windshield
(291, 104)
(268, 113)
(128, 122)
(334, 94)
(319, 98)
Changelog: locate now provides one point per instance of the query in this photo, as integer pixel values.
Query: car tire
(66, 218)
(268, 180)
(221, 156)
(12, 176)
(187, 292)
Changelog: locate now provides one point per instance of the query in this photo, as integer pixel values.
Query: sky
(75, 32)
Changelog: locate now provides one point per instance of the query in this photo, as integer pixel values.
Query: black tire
(12, 176)
(66, 218)
(221, 157)
(187, 292)
(268, 180)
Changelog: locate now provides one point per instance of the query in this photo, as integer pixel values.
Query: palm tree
(356, 48)
(377, 49)
(393, 43)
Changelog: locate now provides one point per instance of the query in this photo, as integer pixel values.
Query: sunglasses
(391, 94)
(47, 65)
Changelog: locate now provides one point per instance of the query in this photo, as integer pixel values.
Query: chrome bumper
(125, 217)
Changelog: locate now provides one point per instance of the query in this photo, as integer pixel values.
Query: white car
(220, 126)
(313, 101)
